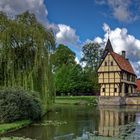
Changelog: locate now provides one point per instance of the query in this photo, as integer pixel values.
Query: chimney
(123, 54)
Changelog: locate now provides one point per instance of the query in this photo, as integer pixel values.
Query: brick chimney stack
(123, 54)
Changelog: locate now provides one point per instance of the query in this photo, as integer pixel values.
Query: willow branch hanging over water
(25, 48)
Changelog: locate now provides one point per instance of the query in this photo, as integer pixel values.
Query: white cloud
(77, 60)
(120, 9)
(106, 28)
(14, 7)
(88, 41)
(83, 64)
(121, 40)
(96, 40)
(136, 66)
(66, 35)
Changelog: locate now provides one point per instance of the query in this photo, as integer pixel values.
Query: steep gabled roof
(138, 84)
(123, 63)
(108, 48)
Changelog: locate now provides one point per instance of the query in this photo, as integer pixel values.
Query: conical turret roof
(108, 48)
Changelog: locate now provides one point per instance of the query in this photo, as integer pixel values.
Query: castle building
(115, 74)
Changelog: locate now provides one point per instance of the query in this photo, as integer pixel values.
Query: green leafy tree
(62, 56)
(25, 49)
(92, 53)
(66, 80)
(70, 78)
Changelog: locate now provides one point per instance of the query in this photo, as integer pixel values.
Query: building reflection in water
(111, 120)
(136, 133)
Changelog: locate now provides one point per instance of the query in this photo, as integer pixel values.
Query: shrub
(17, 104)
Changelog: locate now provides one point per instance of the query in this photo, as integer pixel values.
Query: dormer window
(111, 63)
(105, 63)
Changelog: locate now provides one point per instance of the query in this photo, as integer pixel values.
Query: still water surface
(68, 122)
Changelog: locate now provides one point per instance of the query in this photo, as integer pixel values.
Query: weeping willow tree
(25, 49)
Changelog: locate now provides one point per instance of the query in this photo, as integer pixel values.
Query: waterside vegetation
(26, 78)
(33, 71)
(25, 55)
(8, 127)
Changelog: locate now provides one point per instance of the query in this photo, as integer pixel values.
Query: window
(105, 63)
(115, 89)
(103, 89)
(128, 77)
(111, 63)
(133, 78)
(131, 89)
(122, 75)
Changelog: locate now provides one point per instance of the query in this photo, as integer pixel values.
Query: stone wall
(132, 101)
(108, 100)
(118, 101)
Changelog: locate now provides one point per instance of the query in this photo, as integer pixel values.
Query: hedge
(18, 104)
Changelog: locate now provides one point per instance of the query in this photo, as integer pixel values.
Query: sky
(76, 22)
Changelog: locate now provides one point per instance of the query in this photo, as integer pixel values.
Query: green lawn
(88, 100)
(6, 127)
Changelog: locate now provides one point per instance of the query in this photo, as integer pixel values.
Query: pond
(69, 122)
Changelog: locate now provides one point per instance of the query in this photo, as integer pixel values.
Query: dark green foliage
(63, 56)
(65, 80)
(16, 104)
(72, 80)
(92, 53)
(92, 76)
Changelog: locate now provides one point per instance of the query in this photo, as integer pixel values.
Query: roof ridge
(123, 63)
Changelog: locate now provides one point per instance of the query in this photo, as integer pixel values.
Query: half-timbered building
(115, 74)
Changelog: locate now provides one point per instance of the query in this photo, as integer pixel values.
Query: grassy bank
(8, 127)
(76, 100)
